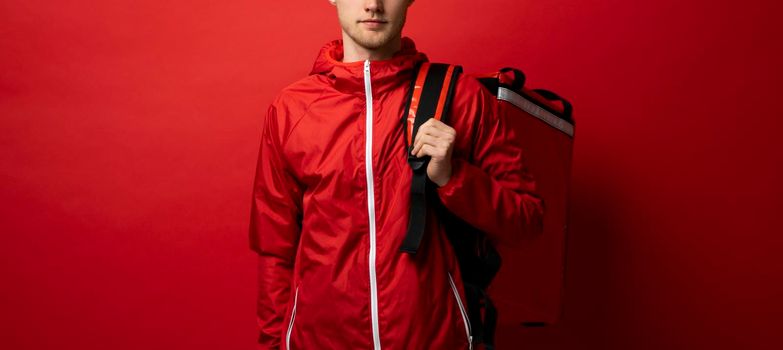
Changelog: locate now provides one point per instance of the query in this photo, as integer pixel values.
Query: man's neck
(353, 52)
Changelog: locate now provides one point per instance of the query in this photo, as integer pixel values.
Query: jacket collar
(385, 74)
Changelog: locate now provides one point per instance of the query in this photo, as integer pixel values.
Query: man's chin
(372, 41)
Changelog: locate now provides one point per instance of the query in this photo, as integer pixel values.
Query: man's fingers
(424, 138)
(432, 151)
(435, 130)
(424, 150)
(438, 125)
(431, 147)
(435, 133)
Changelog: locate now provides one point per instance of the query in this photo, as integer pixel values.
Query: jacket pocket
(465, 319)
(291, 322)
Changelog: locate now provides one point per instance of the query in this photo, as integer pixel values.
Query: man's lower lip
(374, 24)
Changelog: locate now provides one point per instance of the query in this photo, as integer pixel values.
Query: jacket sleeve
(275, 226)
(494, 191)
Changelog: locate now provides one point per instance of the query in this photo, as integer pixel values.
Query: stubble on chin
(373, 40)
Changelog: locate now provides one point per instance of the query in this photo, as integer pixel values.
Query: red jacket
(331, 201)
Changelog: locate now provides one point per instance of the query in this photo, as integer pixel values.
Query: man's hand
(436, 140)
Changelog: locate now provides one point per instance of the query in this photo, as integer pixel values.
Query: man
(331, 197)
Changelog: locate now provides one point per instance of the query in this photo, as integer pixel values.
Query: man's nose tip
(373, 6)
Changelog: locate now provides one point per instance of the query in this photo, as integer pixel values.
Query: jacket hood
(349, 77)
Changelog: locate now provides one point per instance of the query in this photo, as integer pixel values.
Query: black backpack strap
(430, 96)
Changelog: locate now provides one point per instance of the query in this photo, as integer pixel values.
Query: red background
(130, 130)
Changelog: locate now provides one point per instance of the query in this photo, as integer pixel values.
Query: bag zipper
(465, 319)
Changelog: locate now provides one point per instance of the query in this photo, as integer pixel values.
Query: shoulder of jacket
(302, 91)
(295, 98)
(468, 85)
(470, 95)
(473, 106)
(290, 105)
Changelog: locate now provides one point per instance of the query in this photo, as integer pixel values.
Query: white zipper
(291, 322)
(465, 319)
(371, 207)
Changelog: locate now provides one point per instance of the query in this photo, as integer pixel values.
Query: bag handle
(519, 78)
(551, 96)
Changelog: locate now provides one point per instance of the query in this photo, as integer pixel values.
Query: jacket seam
(302, 116)
(288, 168)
